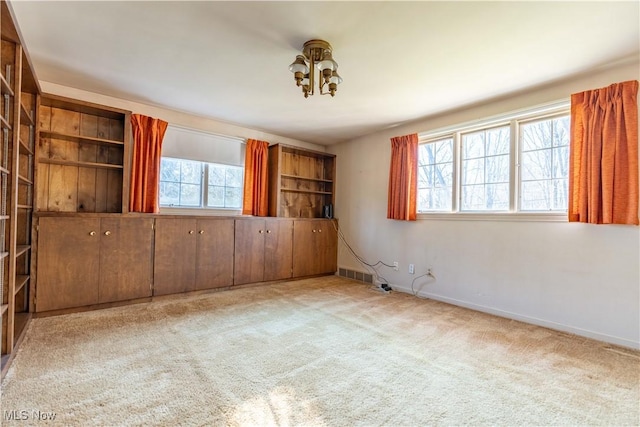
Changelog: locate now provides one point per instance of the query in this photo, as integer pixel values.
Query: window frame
(513, 120)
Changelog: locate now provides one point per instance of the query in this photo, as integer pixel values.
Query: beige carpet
(314, 352)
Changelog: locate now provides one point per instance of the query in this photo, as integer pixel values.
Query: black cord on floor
(362, 261)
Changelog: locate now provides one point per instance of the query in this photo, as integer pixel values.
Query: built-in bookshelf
(18, 110)
(82, 156)
(301, 182)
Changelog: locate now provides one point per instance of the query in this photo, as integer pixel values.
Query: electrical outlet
(395, 266)
(412, 269)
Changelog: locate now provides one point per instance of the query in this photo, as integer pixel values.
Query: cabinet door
(68, 263)
(214, 254)
(326, 247)
(304, 250)
(249, 251)
(174, 267)
(125, 258)
(278, 249)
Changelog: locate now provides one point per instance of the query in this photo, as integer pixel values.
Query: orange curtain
(403, 178)
(255, 200)
(603, 168)
(145, 169)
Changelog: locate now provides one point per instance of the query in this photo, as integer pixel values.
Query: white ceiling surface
(400, 60)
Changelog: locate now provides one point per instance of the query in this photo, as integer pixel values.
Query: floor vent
(356, 275)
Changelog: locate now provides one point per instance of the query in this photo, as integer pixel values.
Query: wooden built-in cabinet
(89, 261)
(192, 254)
(315, 247)
(301, 182)
(83, 156)
(263, 250)
(19, 89)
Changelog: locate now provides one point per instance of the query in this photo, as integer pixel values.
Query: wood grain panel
(42, 187)
(249, 251)
(63, 188)
(174, 256)
(68, 263)
(214, 255)
(327, 247)
(125, 258)
(304, 248)
(87, 176)
(278, 249)
(114, 191)
(63, 180)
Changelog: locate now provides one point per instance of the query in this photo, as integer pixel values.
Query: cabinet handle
(314, 231)
(107, 233)
(268, 231)
(92, 233)
(320, 231)
(201, 232)
(190, 231)
(261, 231)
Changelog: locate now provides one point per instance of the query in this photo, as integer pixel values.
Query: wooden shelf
(5, 123)
(25, 207)
(295, 190)
(21, 280)
(24, 149)
(306, 178)
(24, 180)
(80, 164)
(21, 249)
(25, 116)
(4, 171)
(6, 89)
(79, 138)
(4, 308)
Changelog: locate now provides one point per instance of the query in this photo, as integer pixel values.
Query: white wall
(579, 278)
(174, 117)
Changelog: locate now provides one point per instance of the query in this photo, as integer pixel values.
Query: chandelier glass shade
(316, 64)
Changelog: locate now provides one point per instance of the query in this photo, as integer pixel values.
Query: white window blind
(182, 143)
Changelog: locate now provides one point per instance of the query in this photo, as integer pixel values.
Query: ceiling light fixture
(316, 54)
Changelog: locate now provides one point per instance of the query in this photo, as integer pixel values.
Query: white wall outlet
(412, 269)
(395, 266)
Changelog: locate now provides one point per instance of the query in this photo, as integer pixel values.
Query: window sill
(199, 211)
(498, 216)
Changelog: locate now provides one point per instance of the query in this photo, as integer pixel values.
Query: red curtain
(255, 200)
(603, 168)
(145, 169)
(403, 178)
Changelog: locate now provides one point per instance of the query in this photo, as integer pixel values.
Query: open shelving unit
(301, 181)
(18, 109)
(82, 157)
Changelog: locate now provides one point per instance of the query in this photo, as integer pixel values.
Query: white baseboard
(527, 319)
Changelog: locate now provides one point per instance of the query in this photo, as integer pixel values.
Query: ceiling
(400, 60)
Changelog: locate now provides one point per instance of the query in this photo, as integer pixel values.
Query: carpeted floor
(325, 351)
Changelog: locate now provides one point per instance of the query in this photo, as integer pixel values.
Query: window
(544, 165)
(201, 170)
(510, 164)
(485, 170)
(224, 186)
(182, 184)
(435, 175)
